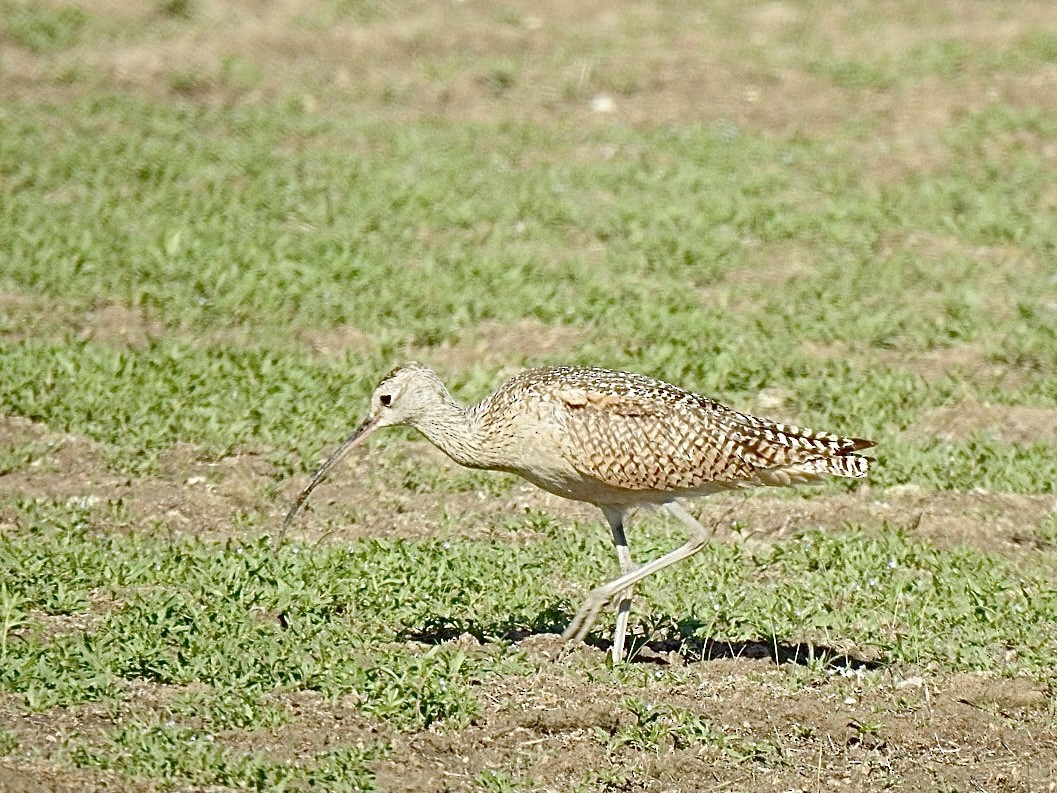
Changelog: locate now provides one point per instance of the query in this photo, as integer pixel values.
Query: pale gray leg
(604, 594)
(616, 523)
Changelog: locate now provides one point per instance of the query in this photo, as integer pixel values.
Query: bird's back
(621, 437)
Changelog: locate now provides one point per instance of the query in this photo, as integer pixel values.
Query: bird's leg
(599, 596)
(616, 523)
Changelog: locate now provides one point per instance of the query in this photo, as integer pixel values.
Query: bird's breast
(535, 443)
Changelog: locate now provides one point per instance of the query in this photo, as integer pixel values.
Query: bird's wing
(677, 440)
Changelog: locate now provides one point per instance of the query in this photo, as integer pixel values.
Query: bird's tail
(786, 454)
(844, 462)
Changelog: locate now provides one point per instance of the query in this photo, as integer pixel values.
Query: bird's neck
(453, 429)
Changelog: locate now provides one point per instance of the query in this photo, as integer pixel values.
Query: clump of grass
(185, 756)
(8, 741)
(178, 9)
(42, 27)
(664, 728)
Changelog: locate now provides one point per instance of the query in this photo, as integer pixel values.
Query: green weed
(666, 728)
(499, 782)
(8, 741)
(181, 755)
(42, 27)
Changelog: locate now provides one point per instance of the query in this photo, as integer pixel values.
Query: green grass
(316, 618)
(42, 27)
(189, 612)
(226, 228)
(233, 625)
(8, 742)
(185, 756)
(665, 728)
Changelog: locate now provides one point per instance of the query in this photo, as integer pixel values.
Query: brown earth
(857, 731)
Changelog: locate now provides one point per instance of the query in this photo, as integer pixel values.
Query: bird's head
(403, 397)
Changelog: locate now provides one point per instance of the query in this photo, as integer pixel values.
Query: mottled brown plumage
(644, 439)
(613, 439)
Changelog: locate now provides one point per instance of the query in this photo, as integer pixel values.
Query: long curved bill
(357, 436)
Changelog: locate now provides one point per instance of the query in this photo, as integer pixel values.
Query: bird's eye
(386, 400)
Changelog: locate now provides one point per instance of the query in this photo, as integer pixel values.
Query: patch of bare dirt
(120, 325)
(393, 493)
(1006, 423)
(871, 732)
(190, 495)
(202, 497)
(773, 268)
(994, 522)
(970, 360)
(25, 316)
(54, 462)
(568, 725)
(489, 344)
(495, 344)
(38, 317)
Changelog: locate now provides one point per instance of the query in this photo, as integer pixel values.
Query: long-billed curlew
(613, 439)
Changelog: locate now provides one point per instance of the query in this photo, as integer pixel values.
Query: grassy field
(221, 223)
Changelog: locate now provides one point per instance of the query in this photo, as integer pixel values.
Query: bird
(615, 439)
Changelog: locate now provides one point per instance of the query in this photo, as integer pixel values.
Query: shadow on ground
(675, 642)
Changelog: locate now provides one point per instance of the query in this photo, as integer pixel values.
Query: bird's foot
(587, 614)
(597, 600)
